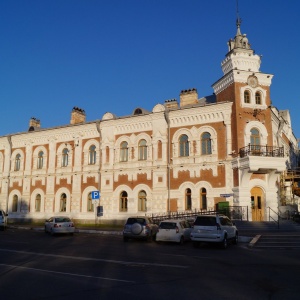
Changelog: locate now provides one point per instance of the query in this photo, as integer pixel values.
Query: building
(191, 154)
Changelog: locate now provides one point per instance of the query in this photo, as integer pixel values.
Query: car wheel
(136, 228)
(236, 239)
(51, 232)
(224, 243)
(45, 229)
(181, 242)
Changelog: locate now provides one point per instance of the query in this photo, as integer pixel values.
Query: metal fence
(233, 212)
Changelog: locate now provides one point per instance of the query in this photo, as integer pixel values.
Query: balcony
(260, 159)
(259, 150)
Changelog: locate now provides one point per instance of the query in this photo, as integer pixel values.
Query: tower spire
(238, 19)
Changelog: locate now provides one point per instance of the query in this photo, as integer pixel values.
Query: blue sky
(117, 55)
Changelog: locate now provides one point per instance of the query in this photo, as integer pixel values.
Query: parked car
(139, 228)
(3, 219)
(59, 224)
(177, 231)
(214, 229)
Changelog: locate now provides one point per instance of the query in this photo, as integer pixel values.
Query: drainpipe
(8, 176)
(99, 172)
(166, 115)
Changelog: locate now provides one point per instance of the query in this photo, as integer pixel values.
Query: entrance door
(257, 204)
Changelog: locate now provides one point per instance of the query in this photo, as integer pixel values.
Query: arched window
(159, 149)
(15, 201)
(92, 155)
(123, 201)
(124, 151)
(18, 162)
(63, 203)
(142, 201)
(255, 139)
(90, 206)
(206, 143)
(38, 203)
(246, 97)
(184, 145)
(142, 150)
(65, 157)
(40, 160)
(188, 199)
(257, 98)
(203, 199)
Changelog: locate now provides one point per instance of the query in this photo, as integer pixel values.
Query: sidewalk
(108, 231)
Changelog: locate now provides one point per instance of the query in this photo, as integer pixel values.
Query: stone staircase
(270, 235)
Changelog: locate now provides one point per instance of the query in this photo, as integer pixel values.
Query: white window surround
(13, 155)
(60, 154)
(36, 155)
(252, 92)
(86, 151)
(85, 198)
(10, 203)
(32, 201)
(262, 131)
(57, 200)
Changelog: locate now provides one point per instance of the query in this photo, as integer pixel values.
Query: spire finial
(238, 19)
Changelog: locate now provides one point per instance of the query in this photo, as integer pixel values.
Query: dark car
(139, 228)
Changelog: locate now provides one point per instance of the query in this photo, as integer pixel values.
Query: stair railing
(271, 218)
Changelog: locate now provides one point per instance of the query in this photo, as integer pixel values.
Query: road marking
(98, 259)
(64, 273)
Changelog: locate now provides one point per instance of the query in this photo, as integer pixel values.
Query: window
(206, 143)
(63, 202)
(142, 150)
(124, 151)
(203, 199)
(107, 154)
(188, 199)
(92, 155)
(38, 203)
(255, 139)
(40, 160)
(184, 145)
(257, 98)
(142, 201)
(18, 162)
(246, 97)
(15, 204)
(90, 206)
(65, 157)
(123, 201)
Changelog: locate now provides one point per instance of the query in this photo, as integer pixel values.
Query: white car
(214, 229)
(174, 230)
(3, 220)
(59, 224)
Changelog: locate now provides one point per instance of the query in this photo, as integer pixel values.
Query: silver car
(177, 231)
(140, 228)
(59, 224)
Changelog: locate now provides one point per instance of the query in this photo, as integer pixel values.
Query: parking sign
(95, 195)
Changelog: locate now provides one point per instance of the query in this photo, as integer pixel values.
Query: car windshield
(167, 225)
(205, 221)
(61, 220)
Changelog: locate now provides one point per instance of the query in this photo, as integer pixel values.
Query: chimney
(77, 115)
(188, 97)
(171, 104)
(34, 124)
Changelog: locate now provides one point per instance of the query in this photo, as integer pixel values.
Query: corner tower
(247, 87)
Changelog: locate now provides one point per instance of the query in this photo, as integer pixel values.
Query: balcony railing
(259, 150)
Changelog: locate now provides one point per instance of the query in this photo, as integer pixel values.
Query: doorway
(257, 204)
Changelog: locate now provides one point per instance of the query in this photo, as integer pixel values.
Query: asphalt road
(35, 265)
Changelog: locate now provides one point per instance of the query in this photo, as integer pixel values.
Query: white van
(3, 220)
